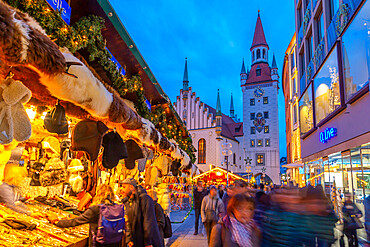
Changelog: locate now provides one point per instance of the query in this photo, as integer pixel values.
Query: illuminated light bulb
(31, 112)
(43, 115)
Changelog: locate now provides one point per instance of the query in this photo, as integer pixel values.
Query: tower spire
(243, 68)
(259, 34)
(274, 66)
(232, 107)
(218, 105)
(185, 81)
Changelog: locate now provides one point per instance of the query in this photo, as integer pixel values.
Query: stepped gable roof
(230, 129)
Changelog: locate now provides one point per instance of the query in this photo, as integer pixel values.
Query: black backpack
(167, 227)
(55, 120)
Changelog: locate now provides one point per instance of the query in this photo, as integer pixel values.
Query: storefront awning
(293, 165)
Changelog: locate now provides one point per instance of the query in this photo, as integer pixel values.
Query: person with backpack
(103, 233)
(212, 209)
(141, 228)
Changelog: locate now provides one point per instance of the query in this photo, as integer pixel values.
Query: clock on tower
(258, 92)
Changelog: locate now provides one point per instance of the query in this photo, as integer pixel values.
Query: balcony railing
(302, 83)
(319, 54)
(306, 18)
(310, 71)
(300, 36)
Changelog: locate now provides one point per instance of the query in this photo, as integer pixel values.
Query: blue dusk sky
(215, 36)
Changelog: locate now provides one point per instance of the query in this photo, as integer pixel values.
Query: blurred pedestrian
(351, 217)
(212, 209)
(159, 213)
(141, 228)
(367, 217)
(221, 190)
(237, 228)
(199, 193)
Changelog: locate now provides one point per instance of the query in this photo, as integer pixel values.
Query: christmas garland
(86, 34)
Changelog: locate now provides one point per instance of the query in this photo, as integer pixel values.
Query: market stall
(217, 176)
(73, 124)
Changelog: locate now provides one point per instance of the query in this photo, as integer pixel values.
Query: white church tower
(260, 111)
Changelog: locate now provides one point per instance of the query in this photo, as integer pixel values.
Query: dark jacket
(198, 197)
(349, 210)
(142, 228)
(161, 221)
(91, 216)
(9, 195)
(221, 235)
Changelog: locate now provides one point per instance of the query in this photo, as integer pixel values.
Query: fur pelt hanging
(24, 42)
(85, 90)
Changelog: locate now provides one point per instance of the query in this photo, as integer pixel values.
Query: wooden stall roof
(123, 48)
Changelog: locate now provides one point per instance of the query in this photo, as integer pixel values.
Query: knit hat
(14, 119)
(129, 181)
(134, 152)
(114, 150)
(87, 136)
(212, 187)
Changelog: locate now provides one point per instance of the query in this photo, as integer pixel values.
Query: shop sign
(63, 7)
(327, 134)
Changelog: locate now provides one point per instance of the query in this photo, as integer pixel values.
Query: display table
(45, 233)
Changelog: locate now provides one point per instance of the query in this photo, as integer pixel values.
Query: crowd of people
(245, 215)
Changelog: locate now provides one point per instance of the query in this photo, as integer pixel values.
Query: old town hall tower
(260, 110)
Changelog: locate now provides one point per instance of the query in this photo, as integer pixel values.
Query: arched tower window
(202, 151)
(252, 56)
(258, 54)
(264, 53)
(258, 71)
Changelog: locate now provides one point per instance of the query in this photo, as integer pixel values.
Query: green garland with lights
(86, 34)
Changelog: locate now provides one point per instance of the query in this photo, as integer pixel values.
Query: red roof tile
(259, 35)
(265, 73)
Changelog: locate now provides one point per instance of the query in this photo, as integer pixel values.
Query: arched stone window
(252, 56)
(202, 151)
(258, 54)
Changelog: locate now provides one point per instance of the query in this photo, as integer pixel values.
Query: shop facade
(333, 97)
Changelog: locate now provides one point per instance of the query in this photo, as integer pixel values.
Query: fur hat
(15, 122)
(148, 155)
(54, 173)
(55, 120)
(75, 166)
(134, 152)
(131, 181)
(114, 150)
(87, 136)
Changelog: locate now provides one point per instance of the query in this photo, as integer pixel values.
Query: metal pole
(227, 170)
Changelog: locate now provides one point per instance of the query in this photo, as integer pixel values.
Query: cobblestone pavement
(183, 233)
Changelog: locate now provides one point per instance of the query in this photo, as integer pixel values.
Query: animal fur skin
(23, 42)
(86, 90)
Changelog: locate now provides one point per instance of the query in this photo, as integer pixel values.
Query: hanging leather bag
(55, 120)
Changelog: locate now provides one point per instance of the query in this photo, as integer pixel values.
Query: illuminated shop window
(327, 93)
(306, 111)
(202, 151)
(260, 158)
(355, 52)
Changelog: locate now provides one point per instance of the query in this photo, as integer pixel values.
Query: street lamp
(226, 146)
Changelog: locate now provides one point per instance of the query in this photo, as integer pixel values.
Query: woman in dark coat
(237, 228)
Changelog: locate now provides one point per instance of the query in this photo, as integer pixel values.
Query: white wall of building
(271, 153)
